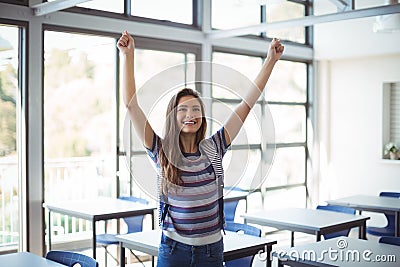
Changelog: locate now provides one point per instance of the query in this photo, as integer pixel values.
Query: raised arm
(126, 46)
(237, 118)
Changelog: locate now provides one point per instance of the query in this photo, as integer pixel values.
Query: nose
(189, 114)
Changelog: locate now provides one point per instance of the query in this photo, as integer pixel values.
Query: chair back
(231, 205)
(341, 209)
(134, 223)
(248, 230)
(391, 240)
(230, 209)
(71, 259)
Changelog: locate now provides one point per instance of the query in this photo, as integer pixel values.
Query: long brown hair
(170, 155)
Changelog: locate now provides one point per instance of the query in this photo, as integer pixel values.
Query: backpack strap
(210, 150)
(165, 208)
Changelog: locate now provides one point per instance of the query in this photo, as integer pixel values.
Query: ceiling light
(387, 23)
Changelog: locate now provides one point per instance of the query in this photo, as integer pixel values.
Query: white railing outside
(65, 179)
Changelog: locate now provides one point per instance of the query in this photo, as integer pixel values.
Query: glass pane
(9, 199)
(286, 198)
(286, 10)
(239, 71)
(173, 10)
(288, 82)
(250, 133)
(289, 122)
(372, 3)
(225, 14)
(242, 168)
(116, 6)
(79, 116)
(294, 34)
(288, 167)
(323, 7)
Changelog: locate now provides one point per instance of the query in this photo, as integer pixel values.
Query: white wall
(354, 119)
(352, 64)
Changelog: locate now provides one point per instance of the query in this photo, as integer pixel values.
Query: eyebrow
(184, 105)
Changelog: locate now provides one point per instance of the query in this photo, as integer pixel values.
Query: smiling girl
(189, 164)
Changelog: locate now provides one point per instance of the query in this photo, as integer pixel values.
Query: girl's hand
(126, 44)
(275, 49)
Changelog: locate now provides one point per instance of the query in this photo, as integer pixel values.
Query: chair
(391, 240)
(231, 205)
(230, 209)
(135, 224)
(389, 229)
(71, 259)
(341, 209)
(248, 230)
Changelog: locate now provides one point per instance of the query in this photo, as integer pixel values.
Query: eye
(181, 109)
(196, 109)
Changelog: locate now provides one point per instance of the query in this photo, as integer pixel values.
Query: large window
(9, 130)
(232, 77)
(284, 101)
(287, 100)
(79, 118)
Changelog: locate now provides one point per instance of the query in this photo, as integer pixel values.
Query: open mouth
(189, 122)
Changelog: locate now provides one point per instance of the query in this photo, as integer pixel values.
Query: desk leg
(362, 231)
(152, 225)
(121, 255)
(397, 224)
(292, 239)
(318, 236)
(49, 232)
(94, 238)
(269, 260)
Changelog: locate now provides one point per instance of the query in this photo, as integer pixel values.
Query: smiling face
(189, 114)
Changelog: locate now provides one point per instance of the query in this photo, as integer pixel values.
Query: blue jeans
(176, 254)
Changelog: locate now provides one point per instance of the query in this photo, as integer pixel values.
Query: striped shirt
(193, 216)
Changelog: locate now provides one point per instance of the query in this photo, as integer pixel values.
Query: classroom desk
(95, 210)
(340, 251)
(25, 259)
(310, 221)
(235, 245)
(390, 205)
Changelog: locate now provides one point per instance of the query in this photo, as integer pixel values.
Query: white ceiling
(351, 38)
